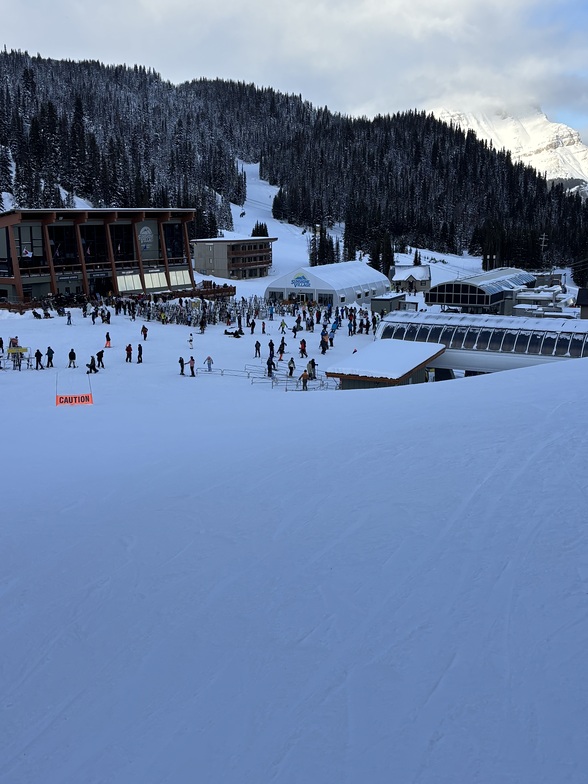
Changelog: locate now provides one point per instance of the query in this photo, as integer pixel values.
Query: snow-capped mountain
(553, 149)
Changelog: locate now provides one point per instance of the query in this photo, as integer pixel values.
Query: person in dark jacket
(92, 365)
(100, 358)
(139, 354)
(129, 352)
(50, 353)
(38, 358)
(72, 358)
(181, 361)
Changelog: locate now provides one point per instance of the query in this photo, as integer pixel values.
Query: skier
(49, 355)
(303, 348)
(209, 362)
(291, 366)
(181, 361)
(100, 358)
(72, 359)
(191, 341)
(281, 349)
(258, 349)
(129, 353)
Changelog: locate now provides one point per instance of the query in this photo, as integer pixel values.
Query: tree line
(119, 136)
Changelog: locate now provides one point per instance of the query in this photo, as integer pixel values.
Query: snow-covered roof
(387, 359)
(232, 240)
(345, 274)
(489, 321)
(416, 271)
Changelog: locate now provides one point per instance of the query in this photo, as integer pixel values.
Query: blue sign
(301, 281)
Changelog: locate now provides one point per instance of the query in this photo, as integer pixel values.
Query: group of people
(209, 362)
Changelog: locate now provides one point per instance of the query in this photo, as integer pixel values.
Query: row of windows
(562, 344)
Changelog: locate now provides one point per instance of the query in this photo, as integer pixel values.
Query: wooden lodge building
(93, 251)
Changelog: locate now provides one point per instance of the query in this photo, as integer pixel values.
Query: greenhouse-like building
(485, 293)
(330, 284)
(485, 344)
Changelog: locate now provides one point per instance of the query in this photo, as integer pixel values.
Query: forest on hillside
(117, 136)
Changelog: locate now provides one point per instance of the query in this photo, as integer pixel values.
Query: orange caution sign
(74, 400)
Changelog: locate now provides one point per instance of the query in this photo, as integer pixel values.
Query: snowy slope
(553, 149)
(209, 580)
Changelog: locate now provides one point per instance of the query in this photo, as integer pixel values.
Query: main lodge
(93, 251)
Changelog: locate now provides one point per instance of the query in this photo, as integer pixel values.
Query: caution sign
(74, 400)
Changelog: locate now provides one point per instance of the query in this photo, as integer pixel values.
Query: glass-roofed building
(486, 344)
(488, 292)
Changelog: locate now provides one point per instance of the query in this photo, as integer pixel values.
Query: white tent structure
(330, 284)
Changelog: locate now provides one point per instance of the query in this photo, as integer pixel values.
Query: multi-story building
(237, 259)
(93, 251)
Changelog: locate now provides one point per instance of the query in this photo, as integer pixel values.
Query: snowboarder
(72, 359)
(270, 365)
(100, 358)
(49, 355)
(91, 366)
(209, 362)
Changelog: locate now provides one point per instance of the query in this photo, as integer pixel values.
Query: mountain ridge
(553, 149)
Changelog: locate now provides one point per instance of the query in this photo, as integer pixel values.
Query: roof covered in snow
(387, 359)
(415, 271)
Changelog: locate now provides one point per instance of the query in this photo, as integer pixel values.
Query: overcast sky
(354, 56)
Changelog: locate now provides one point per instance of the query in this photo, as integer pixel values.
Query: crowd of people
(238, 314)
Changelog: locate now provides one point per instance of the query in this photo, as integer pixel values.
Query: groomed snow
(212, 580)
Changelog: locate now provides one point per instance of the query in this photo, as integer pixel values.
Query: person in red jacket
(129, 350)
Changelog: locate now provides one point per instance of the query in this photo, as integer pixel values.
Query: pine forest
(119, 136)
